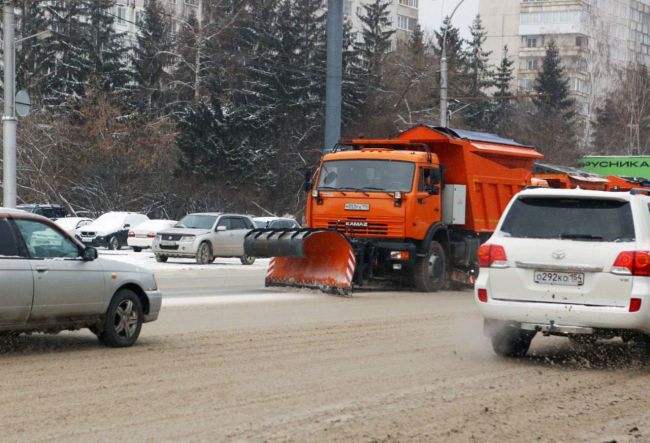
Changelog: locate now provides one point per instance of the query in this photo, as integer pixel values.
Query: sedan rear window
(570, 219)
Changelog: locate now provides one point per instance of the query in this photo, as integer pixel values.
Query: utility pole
(443, 71)
(9, 115)
(333, 89)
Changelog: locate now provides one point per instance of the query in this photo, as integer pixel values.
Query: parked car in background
(50, 283)
(51, 211)
(71, 224)
(111, 229)
(572, 263)
(142, 236)
(205, 236)
(276, 223)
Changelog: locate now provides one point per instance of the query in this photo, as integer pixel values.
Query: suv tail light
(635, 263)
(635, 305)
(151, 235)
(131, 234)
(492, 256)
(482, 295)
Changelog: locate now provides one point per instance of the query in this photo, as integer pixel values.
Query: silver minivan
(51, 282)
(205, 236)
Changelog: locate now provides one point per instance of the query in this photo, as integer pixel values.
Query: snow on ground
(147, 260)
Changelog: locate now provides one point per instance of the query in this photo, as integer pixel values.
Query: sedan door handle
(41, 269)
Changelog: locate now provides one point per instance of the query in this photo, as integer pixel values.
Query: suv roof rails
(640, 191)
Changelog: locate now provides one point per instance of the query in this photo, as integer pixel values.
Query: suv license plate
(559, 278)
(167, 243)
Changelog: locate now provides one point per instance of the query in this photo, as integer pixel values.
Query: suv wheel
(430, 272)
(114, 243)
(247, 260)
(123, 320)
(161, 258)
(509, 341)
(204, 254)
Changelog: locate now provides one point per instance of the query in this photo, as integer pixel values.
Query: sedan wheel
(123, 320)
(113, 243)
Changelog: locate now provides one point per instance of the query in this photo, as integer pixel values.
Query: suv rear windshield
(570, 219)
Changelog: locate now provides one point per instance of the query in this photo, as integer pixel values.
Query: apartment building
(403, 16)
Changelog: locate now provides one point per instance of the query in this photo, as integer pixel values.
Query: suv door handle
(41, 269)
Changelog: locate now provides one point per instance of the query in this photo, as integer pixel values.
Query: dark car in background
(51, 211)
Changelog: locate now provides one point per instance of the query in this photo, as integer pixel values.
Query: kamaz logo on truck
(356, 224)
(357, 207)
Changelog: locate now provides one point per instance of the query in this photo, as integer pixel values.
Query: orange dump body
(567, 181)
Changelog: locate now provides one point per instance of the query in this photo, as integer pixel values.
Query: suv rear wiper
(581, 237)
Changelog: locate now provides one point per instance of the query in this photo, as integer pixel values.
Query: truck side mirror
(308, 182)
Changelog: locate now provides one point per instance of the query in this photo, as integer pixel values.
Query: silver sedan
(51, 282)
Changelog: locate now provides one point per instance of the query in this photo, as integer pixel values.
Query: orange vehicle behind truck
(412, 209)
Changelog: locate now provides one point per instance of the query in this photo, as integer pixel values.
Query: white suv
(567, 262)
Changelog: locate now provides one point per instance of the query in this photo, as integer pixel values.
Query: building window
(531, 64)
(139, 18)
(347, 8)
(121, 15)
(406, 23)
(580, 42)
(531, 42)
(192, 2)
(410, 3)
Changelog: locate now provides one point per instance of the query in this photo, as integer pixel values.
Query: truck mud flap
(305, 258)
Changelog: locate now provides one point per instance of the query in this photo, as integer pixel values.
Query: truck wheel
(430, 272)
(247, 260)
(123, 320)
(512, 342)
(161, 258)
(204, 254)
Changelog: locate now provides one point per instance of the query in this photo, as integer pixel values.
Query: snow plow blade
(304, 258)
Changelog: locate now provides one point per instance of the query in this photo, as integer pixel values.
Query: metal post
(334, 73)
(443, 71)
(443, 84)
(9, 115)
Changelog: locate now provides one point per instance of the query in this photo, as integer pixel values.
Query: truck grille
(359, 227)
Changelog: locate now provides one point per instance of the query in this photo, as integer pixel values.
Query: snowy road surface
(229, 360)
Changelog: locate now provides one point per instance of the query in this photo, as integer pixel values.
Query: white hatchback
(566, 262)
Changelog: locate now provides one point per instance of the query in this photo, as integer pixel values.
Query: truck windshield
(367, 175)
(578, 219)
(194, 221)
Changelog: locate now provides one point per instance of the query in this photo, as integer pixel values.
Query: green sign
(620, 166)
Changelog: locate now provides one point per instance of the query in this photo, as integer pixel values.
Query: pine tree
(353, 87)
(479, 76)
(552, 86)
(554, 121)
(502, 108)
(34, 57)
(376, 39)
(105, 47)
(416, 44)
(151, 56)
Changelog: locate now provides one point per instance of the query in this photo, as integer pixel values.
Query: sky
(433, 11)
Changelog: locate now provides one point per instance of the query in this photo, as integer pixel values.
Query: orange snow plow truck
(413, 209)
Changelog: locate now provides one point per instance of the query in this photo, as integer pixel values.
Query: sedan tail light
(636, 263)
(151, 235)
(131, 234)
(492, 256)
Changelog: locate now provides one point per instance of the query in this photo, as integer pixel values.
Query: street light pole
(443, 71)
(333, 88)
(9, 114)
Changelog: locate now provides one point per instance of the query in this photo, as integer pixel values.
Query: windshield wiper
(581, 237)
